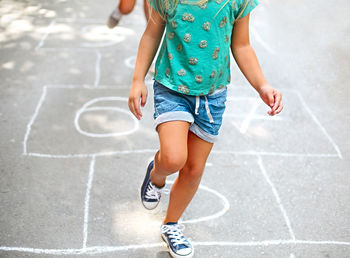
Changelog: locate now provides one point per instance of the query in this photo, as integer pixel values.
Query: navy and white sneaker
(150, 194)
(178, 245)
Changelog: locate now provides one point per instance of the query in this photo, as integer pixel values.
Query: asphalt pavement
(73, 158)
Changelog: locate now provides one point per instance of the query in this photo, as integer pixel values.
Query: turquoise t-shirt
(194, 58)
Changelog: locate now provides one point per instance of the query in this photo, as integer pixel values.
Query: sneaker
(178, 245)
(150, 194)
(113, 19)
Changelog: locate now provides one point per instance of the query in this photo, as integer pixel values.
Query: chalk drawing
(278, 199)
(324, 131)
(48, 31)
(224, 201)
(130, 62)
(96, 35)
(249, 117)
(109, 249)
(86, 108)
(87, 200)
(262, 42)
(98, 68)
(29, 126)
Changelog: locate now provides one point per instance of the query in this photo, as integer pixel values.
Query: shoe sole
(174, 255)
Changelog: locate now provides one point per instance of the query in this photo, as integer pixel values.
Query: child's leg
(173, 150)
(126, 6)
(189, 177)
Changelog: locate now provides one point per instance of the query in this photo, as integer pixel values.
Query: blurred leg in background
(124, 7)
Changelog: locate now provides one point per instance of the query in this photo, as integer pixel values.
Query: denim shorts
(204, 113)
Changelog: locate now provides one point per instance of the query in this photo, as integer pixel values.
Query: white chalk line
(108, 249)
(87, 201)
(86, 108)
(31, 122)
(257, 117)
(48, 31)
(98, 68)
(262, 42)
(246, 122)
(308, 110)
(292, 256)
(126, 152)
(225, 202)
(130, 62)
(278, 199)
(103, 135)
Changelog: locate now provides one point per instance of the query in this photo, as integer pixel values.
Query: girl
(124, 7)
(192, 71)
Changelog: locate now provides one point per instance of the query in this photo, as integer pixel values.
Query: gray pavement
(73, 158)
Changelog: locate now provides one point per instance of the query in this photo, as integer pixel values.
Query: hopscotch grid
(91, 172)
(103, 249)
(87, 200)
(253, 153)
(277, 197)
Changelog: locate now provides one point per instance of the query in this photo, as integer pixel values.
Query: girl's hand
(272, 98)
(138, 94)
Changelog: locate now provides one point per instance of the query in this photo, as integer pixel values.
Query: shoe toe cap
(150, 205)
(186, 252)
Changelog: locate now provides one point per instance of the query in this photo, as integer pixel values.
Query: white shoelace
(153, 192)
(175, 234)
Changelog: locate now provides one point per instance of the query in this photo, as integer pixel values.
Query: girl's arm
(248, 63)
(147, 49)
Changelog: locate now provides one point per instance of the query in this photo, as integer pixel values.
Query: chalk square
(36, 209)
(104, 125)
(247, 127)
(118, 218)
(316, 195)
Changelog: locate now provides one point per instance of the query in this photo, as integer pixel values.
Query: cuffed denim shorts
(204, 113)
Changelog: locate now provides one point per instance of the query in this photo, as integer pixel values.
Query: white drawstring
(197, 105)
(211, 120)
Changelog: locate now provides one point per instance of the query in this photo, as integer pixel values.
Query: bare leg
(126, 6)
(189, 178)
(173, 150)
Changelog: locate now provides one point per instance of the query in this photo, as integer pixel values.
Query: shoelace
(153, 192)
(175, 234)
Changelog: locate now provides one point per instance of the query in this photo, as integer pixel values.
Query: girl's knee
(173, 161)
(192, 174)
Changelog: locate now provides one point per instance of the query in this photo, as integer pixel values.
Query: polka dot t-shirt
(194, 58)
